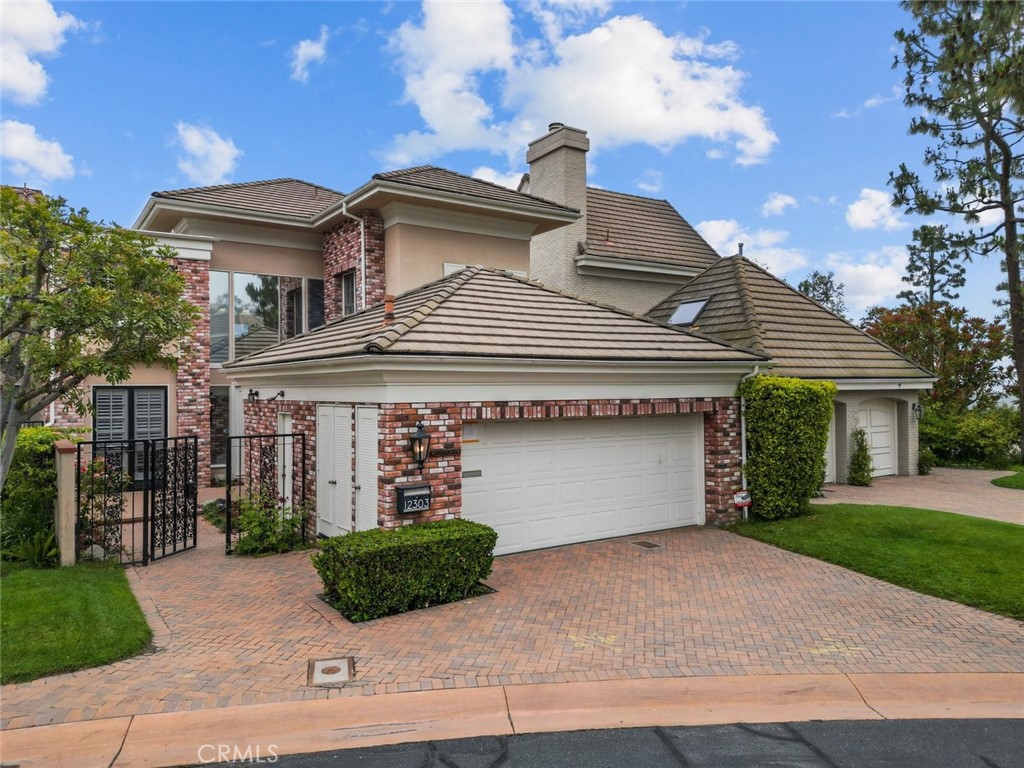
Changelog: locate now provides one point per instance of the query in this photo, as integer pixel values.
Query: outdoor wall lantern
(420, 445)
(253, 396)
(918, 410)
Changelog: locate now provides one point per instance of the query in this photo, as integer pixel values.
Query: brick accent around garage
(397, 422)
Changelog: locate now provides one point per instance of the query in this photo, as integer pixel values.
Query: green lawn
(65, 619)
(1011, 481)
(966, 559)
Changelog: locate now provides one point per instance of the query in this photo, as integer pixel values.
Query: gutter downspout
(362, 252)
(743, 437)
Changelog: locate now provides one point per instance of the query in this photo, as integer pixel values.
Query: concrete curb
(267, 730)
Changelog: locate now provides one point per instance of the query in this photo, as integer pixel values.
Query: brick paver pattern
(233, 631)
(963, 491)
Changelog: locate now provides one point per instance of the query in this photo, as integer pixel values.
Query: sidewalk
(269, 730)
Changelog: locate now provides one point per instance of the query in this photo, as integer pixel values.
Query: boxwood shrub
(377, 573)
(787, 431)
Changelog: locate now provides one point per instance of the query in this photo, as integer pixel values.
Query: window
(129, 413)
(315, 302)
(220, 302)
(249, 312)
(347, 292)
(686, 313)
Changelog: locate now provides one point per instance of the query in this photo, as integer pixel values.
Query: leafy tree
(823, 288)
(935, 268)
(77, 299)
(965, 352)
(964, 66)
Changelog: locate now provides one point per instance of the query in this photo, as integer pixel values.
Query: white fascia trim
(454, 221)
(159, 203)
(847, 385)
(648, 271)
(407, 191)
(432, 379)
(251, 234)
(196, 248)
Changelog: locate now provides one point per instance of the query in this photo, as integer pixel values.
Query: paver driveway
(233, 630)
(964, 491)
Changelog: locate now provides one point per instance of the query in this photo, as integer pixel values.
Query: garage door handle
(332, 482)
(359, 487)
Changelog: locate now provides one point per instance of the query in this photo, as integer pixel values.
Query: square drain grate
(647, 546)
(331, 673)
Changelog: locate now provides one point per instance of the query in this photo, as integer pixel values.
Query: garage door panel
(583, 479)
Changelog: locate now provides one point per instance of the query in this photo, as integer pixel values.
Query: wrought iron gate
(268, 472)
(136, 500)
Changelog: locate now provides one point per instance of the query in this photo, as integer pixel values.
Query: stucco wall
(416, 255)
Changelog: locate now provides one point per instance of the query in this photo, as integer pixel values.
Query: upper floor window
(347, 292)
(249, 312)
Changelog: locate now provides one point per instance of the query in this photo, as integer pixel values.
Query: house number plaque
(413, 498)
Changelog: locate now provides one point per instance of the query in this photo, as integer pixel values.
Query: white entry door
(366, 467)
(878, 420)
(546, 483)
(333, 469)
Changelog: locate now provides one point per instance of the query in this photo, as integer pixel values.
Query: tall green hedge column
(787, 432)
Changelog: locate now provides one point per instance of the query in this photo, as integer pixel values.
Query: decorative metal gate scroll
(266, 472)
(136, 500)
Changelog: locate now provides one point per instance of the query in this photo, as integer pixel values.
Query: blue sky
(774, 124)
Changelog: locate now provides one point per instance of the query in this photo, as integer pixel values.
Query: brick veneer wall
(261, 419)
(443, 470)
(193, 373)
(341, 253)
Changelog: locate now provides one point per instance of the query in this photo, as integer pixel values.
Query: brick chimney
(389, 309)
(558, 172)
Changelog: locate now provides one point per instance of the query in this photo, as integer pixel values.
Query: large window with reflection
(249, 312)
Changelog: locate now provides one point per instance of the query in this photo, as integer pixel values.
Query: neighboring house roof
(442, 180)
(486, 313)
(751, 308)
(280, 197)
(635, 228)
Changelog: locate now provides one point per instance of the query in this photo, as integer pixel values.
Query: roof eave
(157, 204)
(362, 198)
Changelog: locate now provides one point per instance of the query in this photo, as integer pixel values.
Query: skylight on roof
(687, 311)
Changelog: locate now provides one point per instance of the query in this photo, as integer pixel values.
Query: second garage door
(547, 483)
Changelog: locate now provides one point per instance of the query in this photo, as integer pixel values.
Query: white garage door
(878, 419)
(546, 483)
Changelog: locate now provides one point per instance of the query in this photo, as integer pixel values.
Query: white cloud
(555, 15)
(208, 158)
(877, 100)
(651, 182)
(872, 279)
(625, 81)
(777, 203)
(873, 210)
(764, 246)
(309, 52)
(31, 156)
(842, 114)
(510, 180)
(30, 30)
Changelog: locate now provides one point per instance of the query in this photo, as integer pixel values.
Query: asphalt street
(833, 744)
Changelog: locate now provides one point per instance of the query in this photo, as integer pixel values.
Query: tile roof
(753, 309)
(486, 313)
(635, 228)
(281, 197)
(441, 179)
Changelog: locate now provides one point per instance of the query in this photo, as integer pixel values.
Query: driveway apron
(230, 630)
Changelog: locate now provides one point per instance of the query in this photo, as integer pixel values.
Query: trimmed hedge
(787, 432)
(26, 508)
(377, 573)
